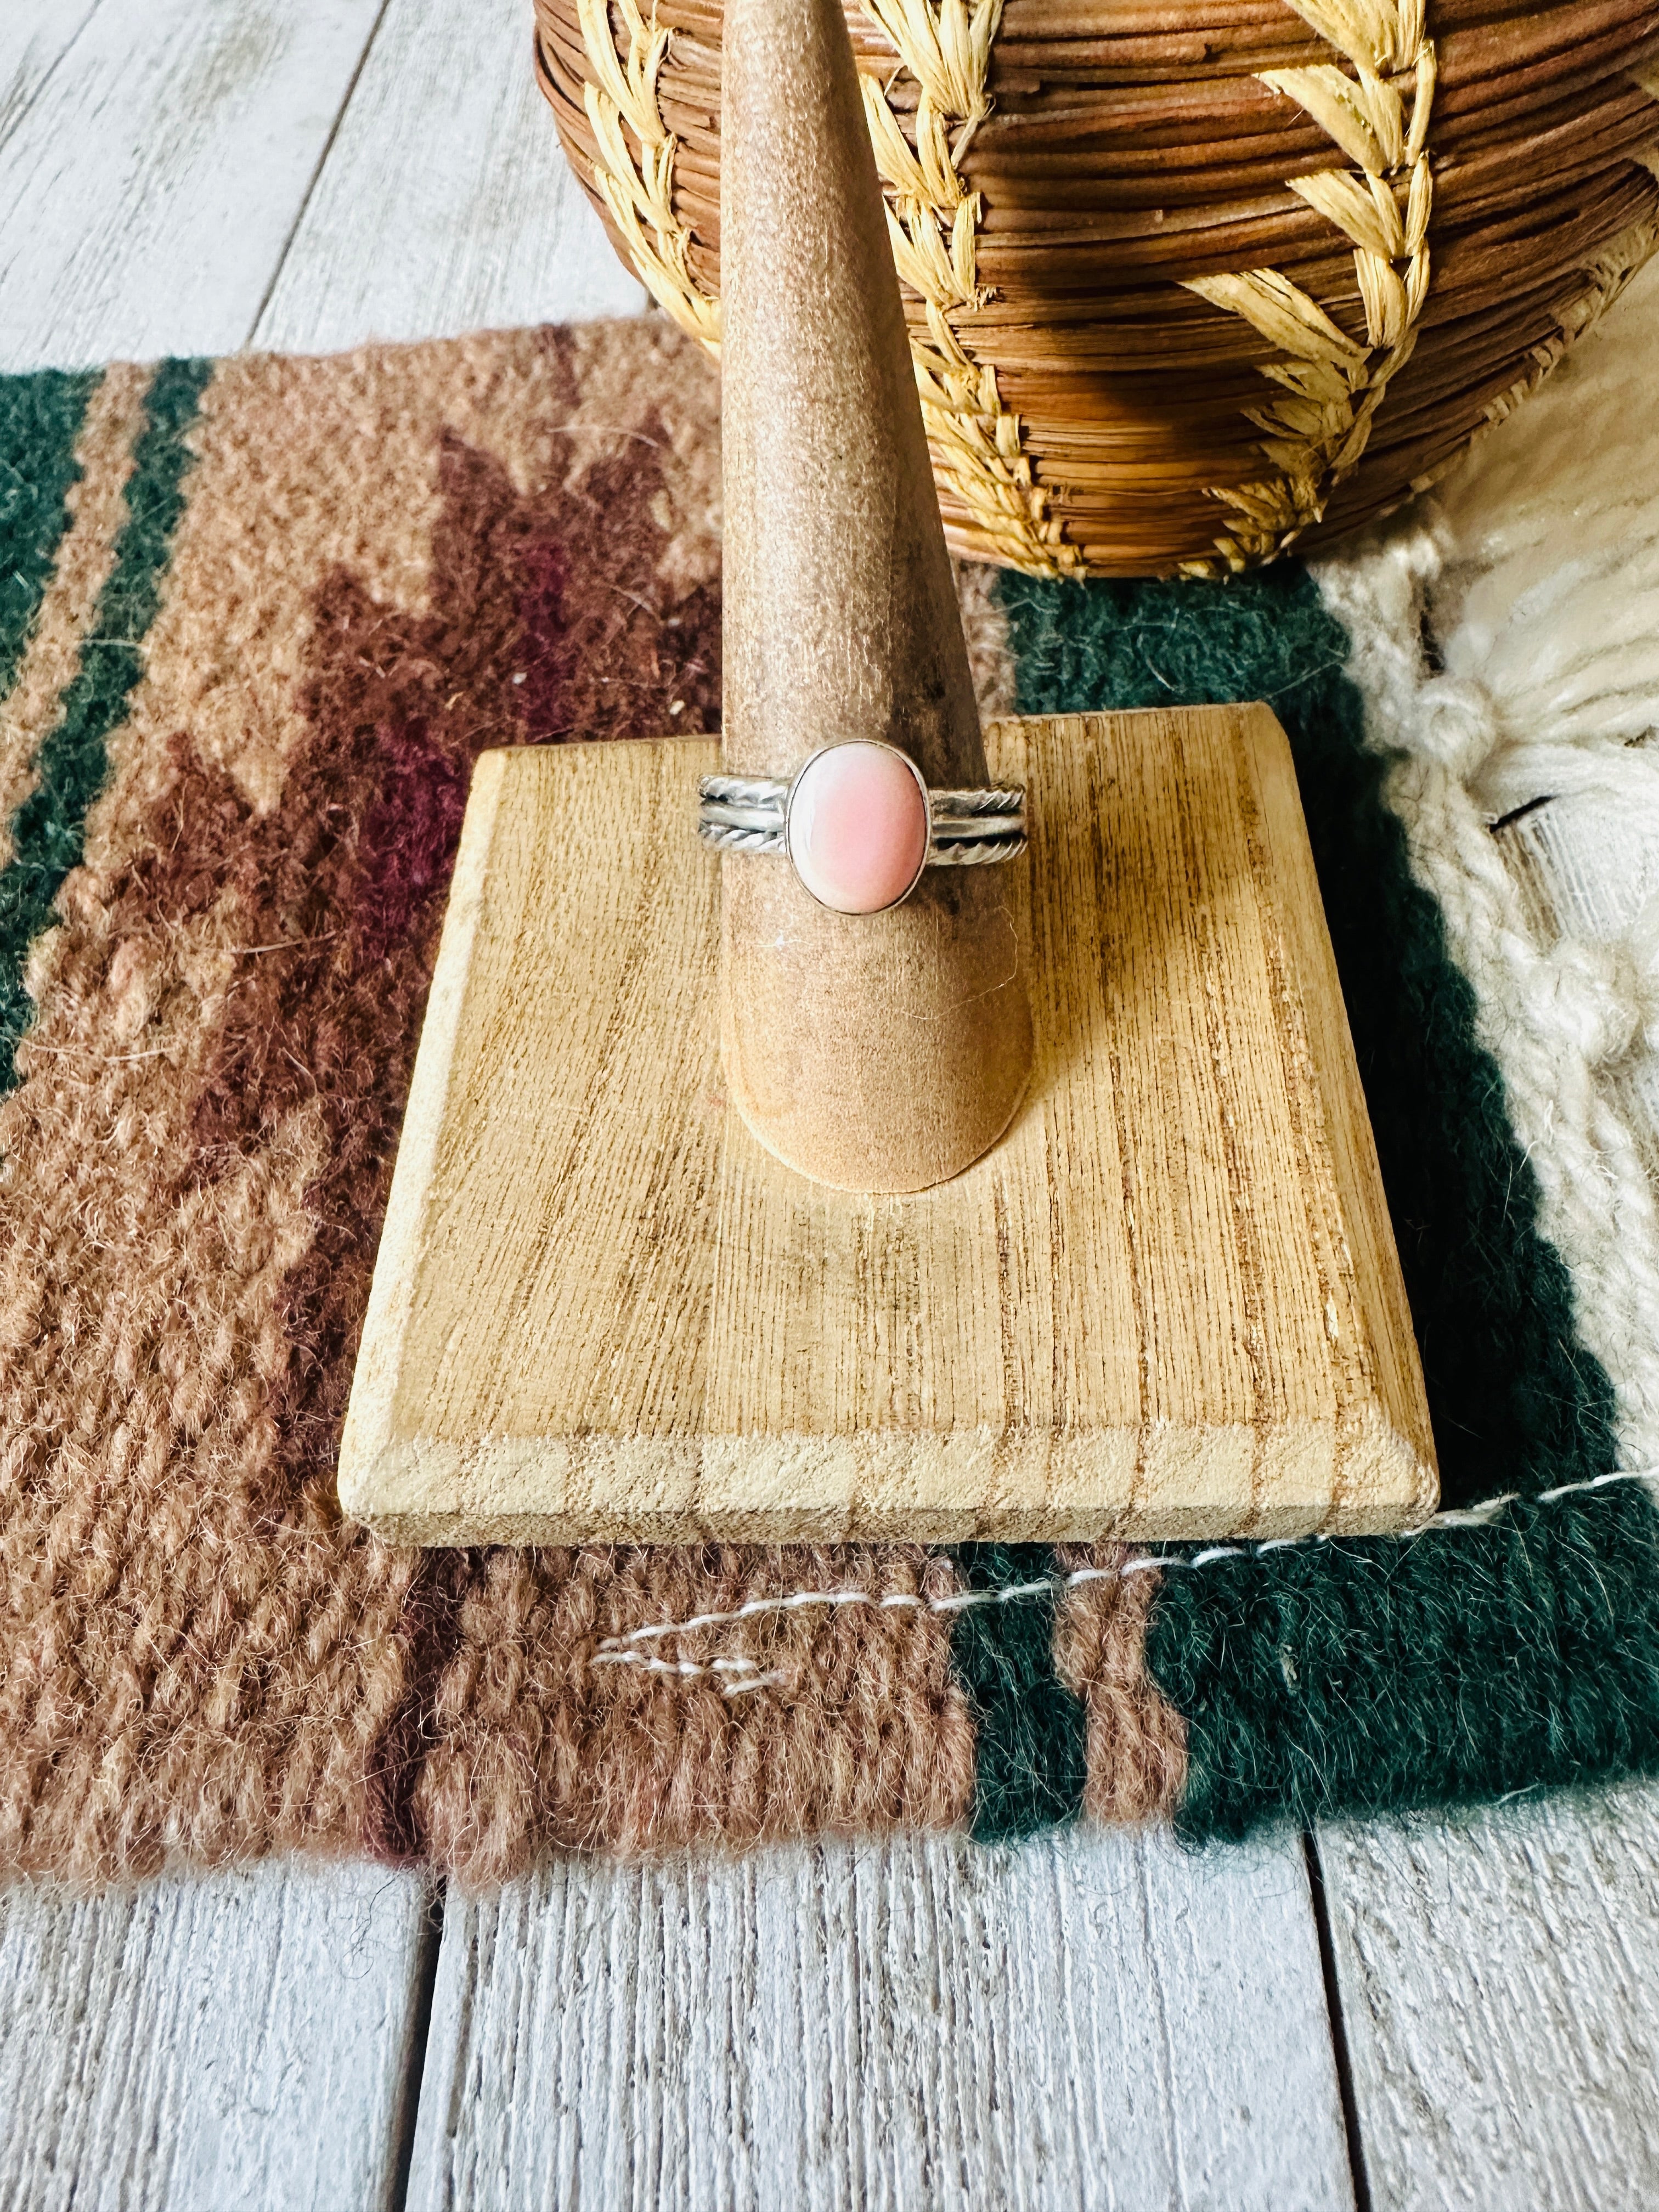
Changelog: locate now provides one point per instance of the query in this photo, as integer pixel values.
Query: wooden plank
(444, 205)
(35, 37)
(1499, 1982)
(1166, 1303)
(236, 2039)
(146, 192)
(1089, 2019)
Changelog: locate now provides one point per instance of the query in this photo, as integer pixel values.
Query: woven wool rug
(257, 618)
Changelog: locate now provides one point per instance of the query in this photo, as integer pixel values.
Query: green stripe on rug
(40, 419)
(49, 829)
(1029, 1765)
(1354, 1676)
(1379, 1675)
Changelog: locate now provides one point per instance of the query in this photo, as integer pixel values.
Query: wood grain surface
(35, 41)
(1167, 1304)
(1090, 2020)
(1500, 1993)
(144, 207)
(444, 205)
(237, 2039)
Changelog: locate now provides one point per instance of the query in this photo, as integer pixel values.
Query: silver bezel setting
(871, 745)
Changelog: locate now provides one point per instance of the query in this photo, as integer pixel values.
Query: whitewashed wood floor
(1433, 2016)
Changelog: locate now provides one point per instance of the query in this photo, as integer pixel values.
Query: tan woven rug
(256, 619)
(377, 567)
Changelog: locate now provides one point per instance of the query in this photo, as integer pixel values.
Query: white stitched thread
(611, 1651)
(954, 1602)
(745, 1669)
(759, 1605)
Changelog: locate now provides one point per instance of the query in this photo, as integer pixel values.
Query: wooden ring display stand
(1161, 1300)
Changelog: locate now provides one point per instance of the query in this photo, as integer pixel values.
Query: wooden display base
(1166, 1304)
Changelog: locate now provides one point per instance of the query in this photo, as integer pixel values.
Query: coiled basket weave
(1186, 279)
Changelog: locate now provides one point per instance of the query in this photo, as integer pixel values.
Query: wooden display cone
(877, 1052)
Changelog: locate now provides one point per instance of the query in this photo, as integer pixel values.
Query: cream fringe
(1537, 573)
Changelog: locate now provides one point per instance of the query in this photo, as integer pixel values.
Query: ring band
(746, 814)
(963, 829)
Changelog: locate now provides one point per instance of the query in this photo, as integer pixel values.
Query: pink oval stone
(858, 827)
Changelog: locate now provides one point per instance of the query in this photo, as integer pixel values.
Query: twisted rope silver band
(966, 829)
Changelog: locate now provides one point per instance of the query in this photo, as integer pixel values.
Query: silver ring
(953, 829)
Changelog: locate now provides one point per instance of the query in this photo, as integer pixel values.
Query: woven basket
(1186, 279)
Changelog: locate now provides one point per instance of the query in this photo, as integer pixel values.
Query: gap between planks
(1499, 1980)
(248, 2038)
(1087, 2018)
(145, 203)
